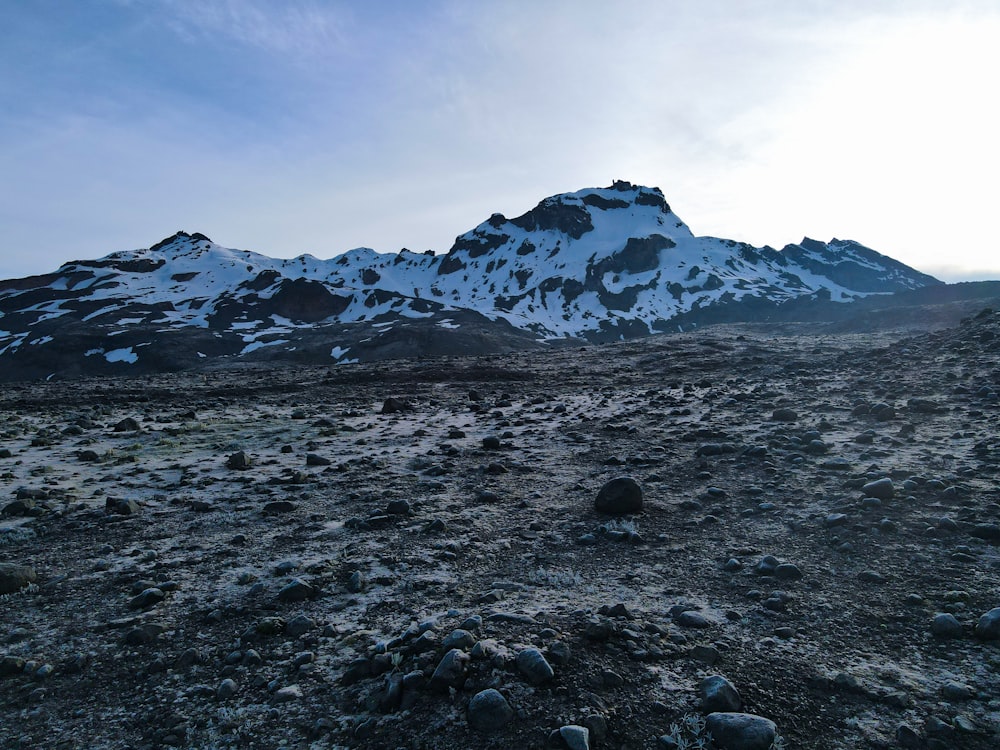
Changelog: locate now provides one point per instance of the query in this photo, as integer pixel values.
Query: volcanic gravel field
(409, 555)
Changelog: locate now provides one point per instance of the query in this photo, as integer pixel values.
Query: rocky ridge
(600, 264)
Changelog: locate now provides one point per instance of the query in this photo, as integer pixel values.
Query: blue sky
(306, 126)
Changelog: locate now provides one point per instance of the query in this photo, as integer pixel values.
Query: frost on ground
(347, 556)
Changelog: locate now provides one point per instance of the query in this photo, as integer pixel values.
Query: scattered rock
(882, 489)
(620, 496)
(737, 731)
(533, 666)
(239, 461)
(489, 711)
(945, 625)
(16, 577)
(988, 627)
(718, 694)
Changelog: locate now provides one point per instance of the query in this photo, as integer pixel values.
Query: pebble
(718, 694)
(691, 619)
(881, 488)
(299, 625)
(737, 731)
(227, 689)
(533, 666)
(620, 496)
(945, 625)
(296, 590)
(988, 627)
(287, 694)
(572, 737)
(489, 711)
(148, 598)
(450, 671)
(16, 577)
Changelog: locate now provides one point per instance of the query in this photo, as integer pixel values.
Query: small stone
(450, 671)
(491, 443)
(489, 711)
(287, 694)
(394, 405)
(16, 577)
(881, 488)
(299, 625)
(533, 666)
(461, 639)
(957, 691)
(988, 627)
(871, 576)
(148, 598)
(239, 461)
(736, 731)
(313, 459)
(945, 625)
(398, 508)
(297, 590)
(784, 415)
(788, 572)
(575, 737)
(127, 425)
(227, 689)
(121, 507)
(620, 496)
(691, 619)
(718, 694)
(356, 583)
(908, 737)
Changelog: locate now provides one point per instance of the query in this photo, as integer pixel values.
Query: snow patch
(122, 355)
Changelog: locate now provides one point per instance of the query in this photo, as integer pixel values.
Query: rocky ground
(410, 555)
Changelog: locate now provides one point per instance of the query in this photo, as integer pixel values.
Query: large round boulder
(619, 497)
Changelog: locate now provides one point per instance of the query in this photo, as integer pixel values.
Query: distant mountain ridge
(594, 265)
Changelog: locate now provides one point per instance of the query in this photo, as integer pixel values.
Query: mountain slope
(597, 264)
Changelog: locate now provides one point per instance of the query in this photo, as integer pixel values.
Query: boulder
(620, 496)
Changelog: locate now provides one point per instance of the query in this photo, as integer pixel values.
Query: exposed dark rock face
(597, 265)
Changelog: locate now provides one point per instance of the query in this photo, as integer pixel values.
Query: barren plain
(317, 557)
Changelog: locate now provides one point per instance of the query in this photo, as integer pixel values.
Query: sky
(308, 126)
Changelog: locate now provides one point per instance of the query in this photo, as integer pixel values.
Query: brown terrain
(348, 557)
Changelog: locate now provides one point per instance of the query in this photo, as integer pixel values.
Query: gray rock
(16, 577)
(988, 627)
(299, 625)
(958, 691)
(788, 572)
(489, 711)
(450, 671)
(533, 666)
(287, 694)
(784, 415)
(881, 488)
(459, 638)
(620, 496)
(297, 590)
(574, 737)
(122, 507)
(127, 425)
(718, 694)
(227, 689)
(945, 625)
(148, 598)
(691, 619)
(239, 461)
(736, 731)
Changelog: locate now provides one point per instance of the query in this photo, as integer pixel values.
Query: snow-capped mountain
(597, 264)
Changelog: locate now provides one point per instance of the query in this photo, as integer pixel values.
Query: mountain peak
(596, 264)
